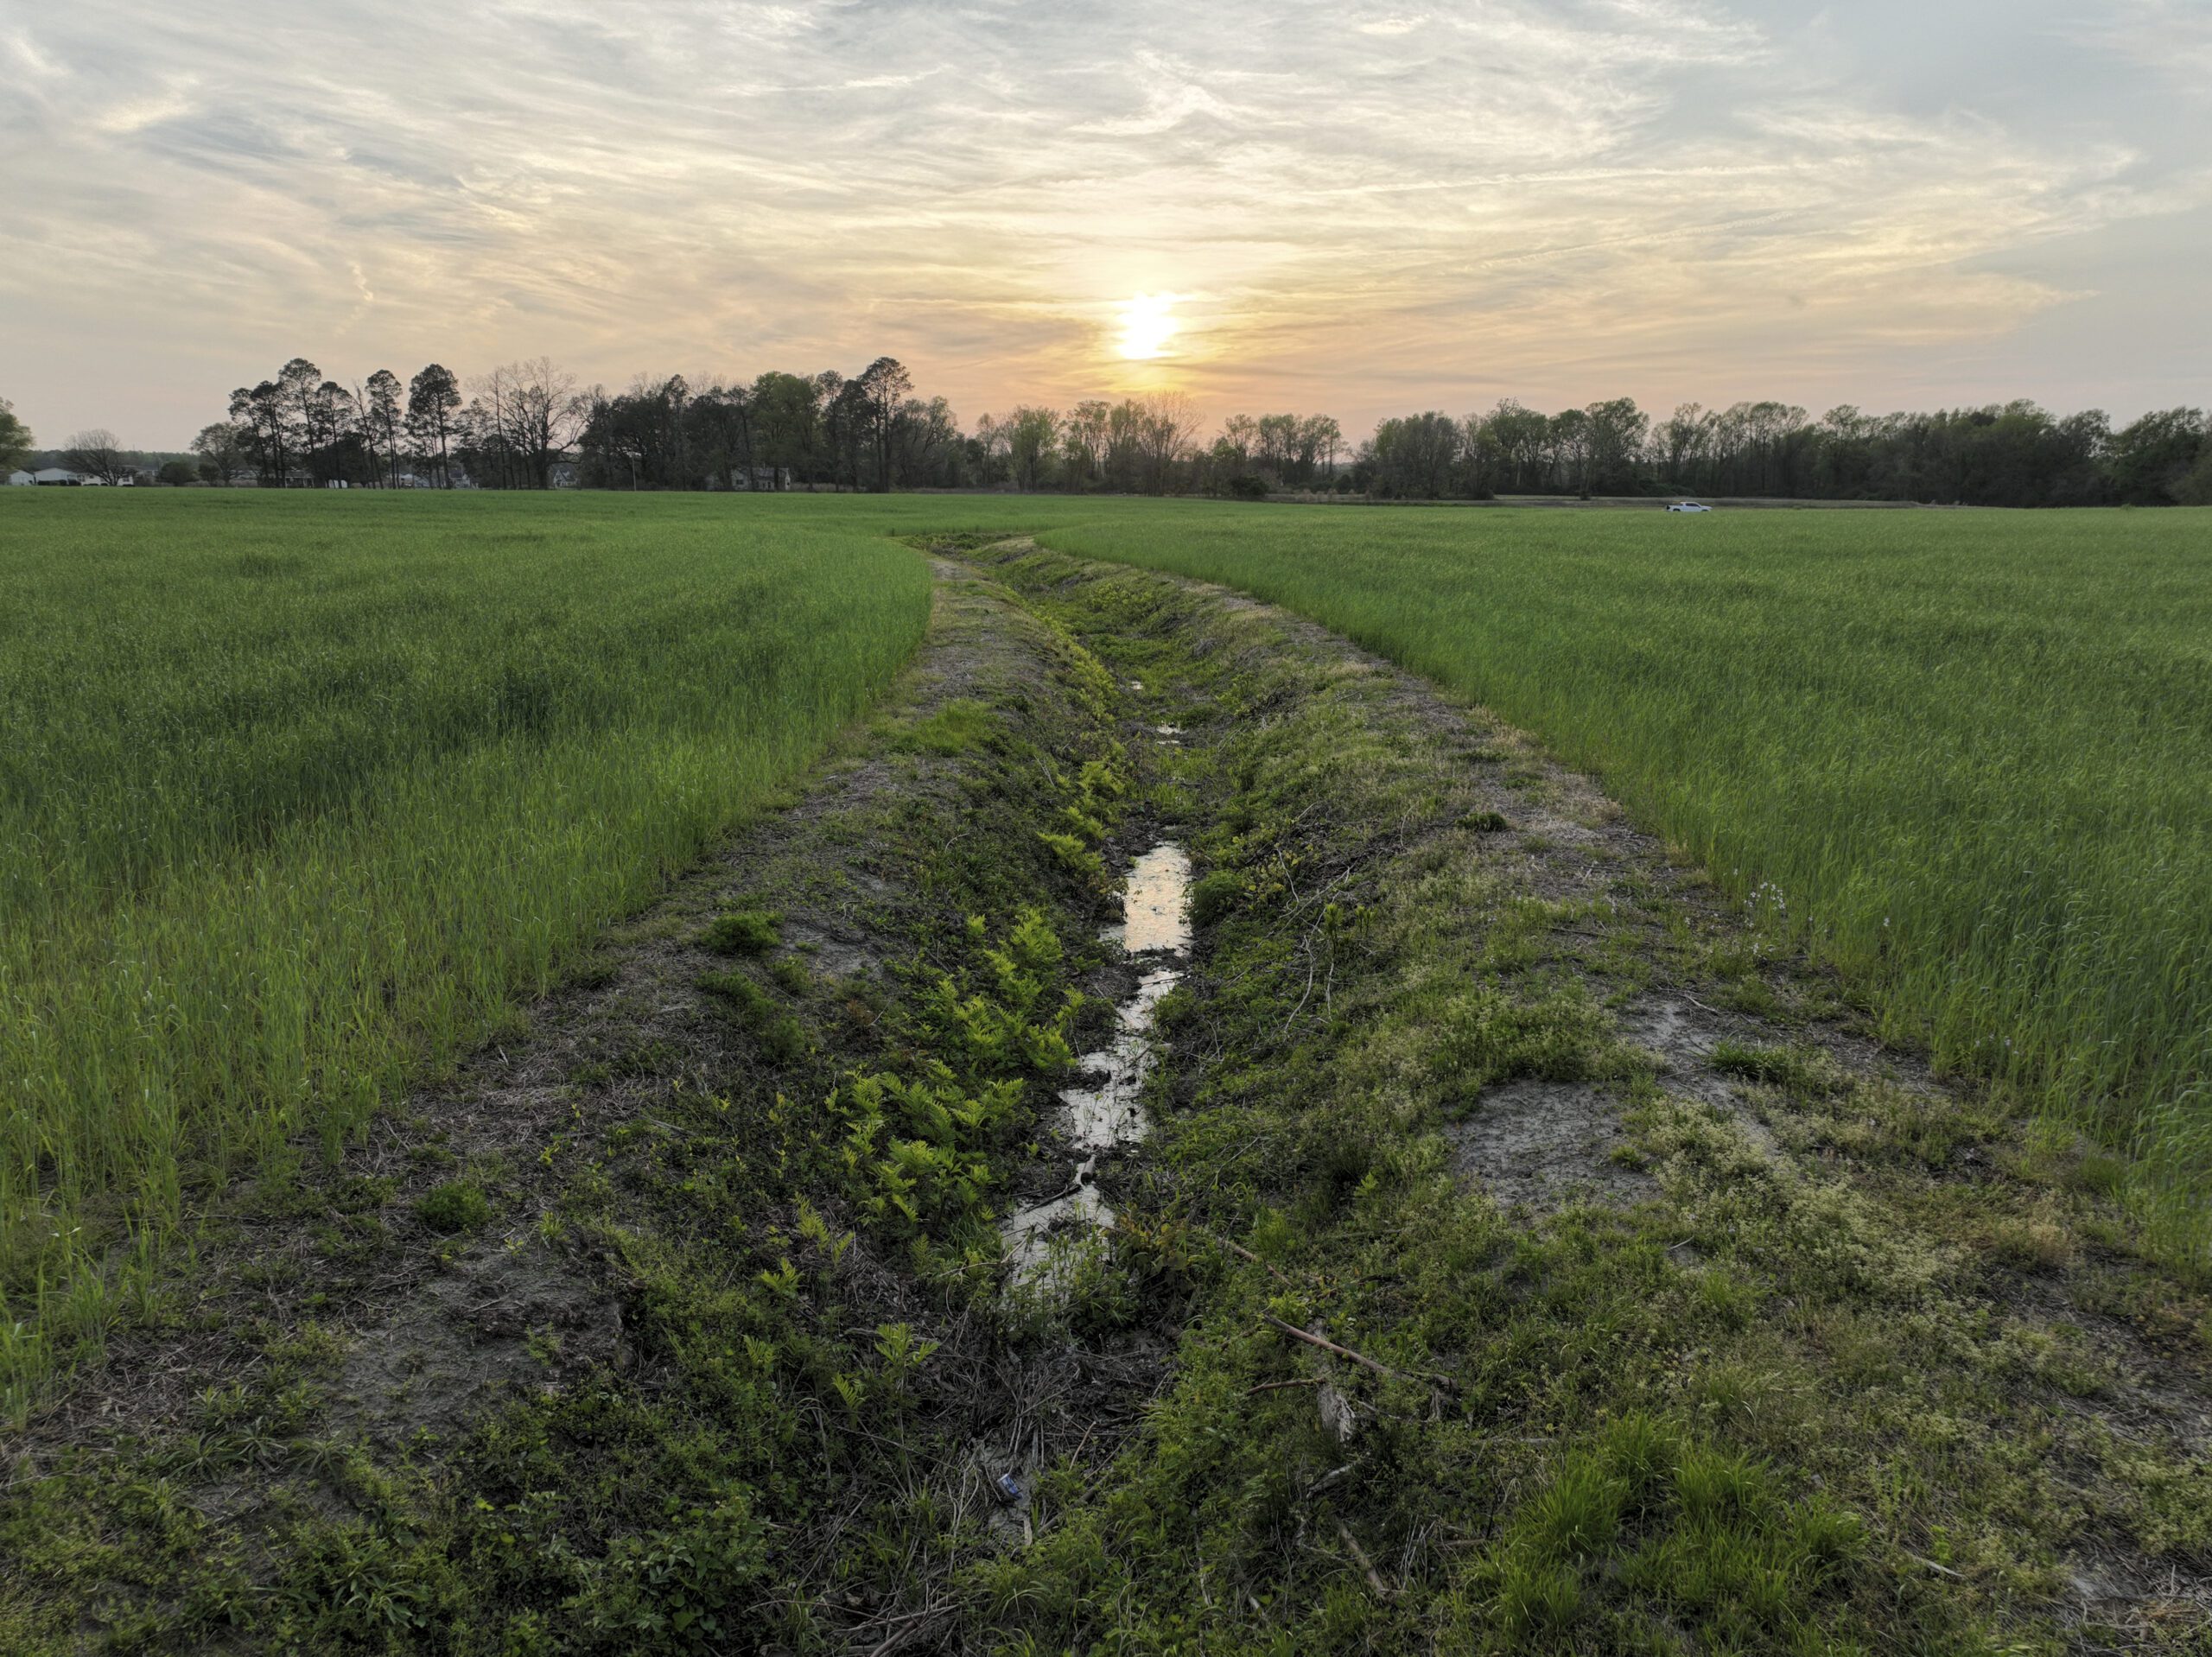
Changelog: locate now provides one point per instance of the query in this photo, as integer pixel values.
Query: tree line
(780, 431)
(871, 431)
(301, 429)
(2018, 454)
(529, 425)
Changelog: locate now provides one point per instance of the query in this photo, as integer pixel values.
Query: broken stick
(1361, 1358)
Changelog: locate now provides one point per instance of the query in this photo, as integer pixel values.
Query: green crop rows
(295, 794)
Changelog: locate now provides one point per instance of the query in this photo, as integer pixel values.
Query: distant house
(58, 477)
(561, 475)
(21, 480)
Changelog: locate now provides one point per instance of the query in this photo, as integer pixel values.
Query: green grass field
(1965, 755)
(295, 794)
(301, 795)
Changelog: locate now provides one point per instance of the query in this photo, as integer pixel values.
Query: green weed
(1212, 895)
(456, 1206)
(960, 724)
(746, 932)
(782, 1036)
(1488, 1037)
(1798, 1070)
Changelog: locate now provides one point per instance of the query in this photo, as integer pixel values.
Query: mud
(1540, 1145)
(1155, 913)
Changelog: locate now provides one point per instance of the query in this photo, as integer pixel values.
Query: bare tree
(1618, 430)
(1411, 457)
(884, 385)
(1683, 440)
(1318, 436)
(96, 454)
(257, 415)
(1240, 432)
(333, 428)
(787, 414)
(1572, 438)
(720, 431)
(535, 412)
(223, 449)
(1084, 441)
(1124, 451)
(1028, 434)
(929, 441)
(1166, 423)
(299, 385)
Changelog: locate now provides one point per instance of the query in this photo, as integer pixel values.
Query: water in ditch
(1104, 1111)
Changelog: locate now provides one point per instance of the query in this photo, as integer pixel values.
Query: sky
(1354, 209)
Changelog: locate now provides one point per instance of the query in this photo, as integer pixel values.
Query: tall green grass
(296, 792)
(1967, 755)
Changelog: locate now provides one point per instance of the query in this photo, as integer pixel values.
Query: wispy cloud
(1561, 199)
(2173, 37)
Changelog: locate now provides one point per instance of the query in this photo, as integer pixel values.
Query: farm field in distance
(296, 795)
(544, 1109)
(299, 791)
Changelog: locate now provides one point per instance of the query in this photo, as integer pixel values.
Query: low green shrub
(1213, 896)
(783, 1037)
(456, 1206)
(746, 932)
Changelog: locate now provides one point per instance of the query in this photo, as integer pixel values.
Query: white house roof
(55, 474)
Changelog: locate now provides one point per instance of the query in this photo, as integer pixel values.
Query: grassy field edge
(479, 762)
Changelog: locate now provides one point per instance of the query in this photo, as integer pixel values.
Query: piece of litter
(1338, 1418)
(1009, 1490)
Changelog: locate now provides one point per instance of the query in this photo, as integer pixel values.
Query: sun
(1147, 325)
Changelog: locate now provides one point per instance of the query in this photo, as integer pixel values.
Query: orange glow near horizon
(1361, 211)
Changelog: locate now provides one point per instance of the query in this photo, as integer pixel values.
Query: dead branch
(1244, 1254)
(1360, 1358)
(1373, 1577)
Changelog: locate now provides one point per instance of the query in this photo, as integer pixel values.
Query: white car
(1688, 506)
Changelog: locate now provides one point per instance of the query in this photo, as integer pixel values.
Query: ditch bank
(1558, 1266)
